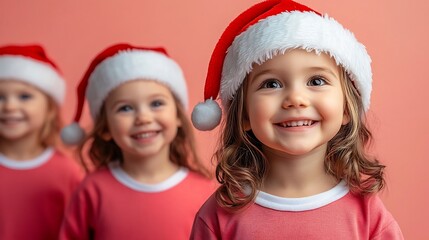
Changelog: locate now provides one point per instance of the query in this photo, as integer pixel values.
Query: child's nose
(296, 98)
(143, 117)
(10, 104)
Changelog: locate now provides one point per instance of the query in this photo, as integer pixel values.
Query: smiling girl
(36, 179)
(292, 164)
(149, 182)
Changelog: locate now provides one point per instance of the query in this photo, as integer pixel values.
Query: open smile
(11, 120)
(145, 135)
(300, 123)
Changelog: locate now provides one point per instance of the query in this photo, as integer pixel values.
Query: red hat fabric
(116, 65)
(269, 28)
(30, 64)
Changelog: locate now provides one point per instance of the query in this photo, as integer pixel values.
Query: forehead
(139, 88)
(297, 59)
(14, 84)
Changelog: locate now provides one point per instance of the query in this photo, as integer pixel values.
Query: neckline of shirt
(302, 204)
(121, 176)
(27, 164)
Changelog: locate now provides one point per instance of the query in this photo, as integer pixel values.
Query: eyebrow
(323, 69)
(320, 69)
(151, 98)
(115, 104)
(259, 74)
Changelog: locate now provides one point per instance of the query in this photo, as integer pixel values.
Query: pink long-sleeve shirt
(335, 214)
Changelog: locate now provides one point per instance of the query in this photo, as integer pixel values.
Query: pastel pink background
(394, 32)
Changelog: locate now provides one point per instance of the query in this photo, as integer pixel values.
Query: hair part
(242, 166)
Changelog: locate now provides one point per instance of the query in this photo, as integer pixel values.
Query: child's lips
(145, 135)
(10, 120)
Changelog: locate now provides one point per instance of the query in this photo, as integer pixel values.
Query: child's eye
(271, 83)
(317, 81)
(125, 108)
(25, 96)
(157, 103)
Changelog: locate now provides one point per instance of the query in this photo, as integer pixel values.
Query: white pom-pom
(72, 134)
(206, 116)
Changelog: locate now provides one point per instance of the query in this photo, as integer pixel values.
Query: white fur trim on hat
(35, 73)
(291, 30)
(130, 65)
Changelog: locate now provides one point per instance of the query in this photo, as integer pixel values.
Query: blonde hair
(242, 165)
(50, 132)
(182, 148)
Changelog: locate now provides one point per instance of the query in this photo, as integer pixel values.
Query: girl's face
(295, 102)
(23, 110)
(142, 119)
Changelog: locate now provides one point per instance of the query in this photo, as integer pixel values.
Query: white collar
(27, 164)
(120, 175)
(302, 204)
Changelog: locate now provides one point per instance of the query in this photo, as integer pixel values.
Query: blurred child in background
(149, 182)
(36, 180)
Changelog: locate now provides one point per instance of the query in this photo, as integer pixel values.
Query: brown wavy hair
(182, 148)
(242, 166)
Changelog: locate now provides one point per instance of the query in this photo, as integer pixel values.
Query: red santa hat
(31, 65)
(119, 64)
(269, 28)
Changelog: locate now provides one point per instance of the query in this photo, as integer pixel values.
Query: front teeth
(10, 121)
(297, 123)
(145, 135)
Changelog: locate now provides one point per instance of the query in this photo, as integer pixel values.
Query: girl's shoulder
(376, 207)
(63, 161)
(200, 183)
(199, 178)
(371, 202)
(67, 167)
(98, 175)
(211, 209)
(96, 182)
(372, 210)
